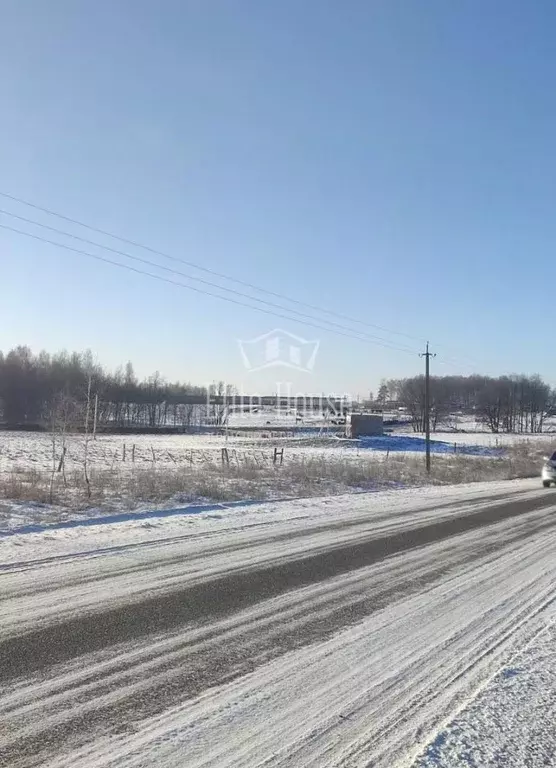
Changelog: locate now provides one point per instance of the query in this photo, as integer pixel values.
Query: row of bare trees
(516, 403)
(34, 389)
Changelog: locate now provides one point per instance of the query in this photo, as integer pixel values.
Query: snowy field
(489, 439)
(35, 450)
(45, 481)
(387, 629)
(486, 439)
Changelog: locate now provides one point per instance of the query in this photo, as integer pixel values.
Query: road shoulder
(511, 722)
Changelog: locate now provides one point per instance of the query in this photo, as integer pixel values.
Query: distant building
(365, 425)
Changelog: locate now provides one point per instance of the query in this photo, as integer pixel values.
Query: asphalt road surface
(338, 639)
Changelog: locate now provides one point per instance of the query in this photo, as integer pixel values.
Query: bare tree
(382, 395)
(63, 419)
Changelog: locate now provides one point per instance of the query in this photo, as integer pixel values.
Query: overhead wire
(207, 270)
(451, 361)
(201, 280)
(170, 281)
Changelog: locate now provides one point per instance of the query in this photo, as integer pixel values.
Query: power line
(191, 277)
(452, 361)
(212, 272)
(201, 291)
(456, 362)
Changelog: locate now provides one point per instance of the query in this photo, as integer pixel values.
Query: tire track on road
(29, 653)
(74, 705)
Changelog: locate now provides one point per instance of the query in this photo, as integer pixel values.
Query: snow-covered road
(328, 632)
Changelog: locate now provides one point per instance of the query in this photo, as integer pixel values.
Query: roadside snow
(511, 723)
(226, 520)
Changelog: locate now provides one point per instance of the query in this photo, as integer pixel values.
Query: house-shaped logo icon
(279, 348)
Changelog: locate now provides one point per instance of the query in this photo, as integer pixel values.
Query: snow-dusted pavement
(347, 631)
(511, 722)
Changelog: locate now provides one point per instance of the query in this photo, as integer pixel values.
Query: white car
(549, 470)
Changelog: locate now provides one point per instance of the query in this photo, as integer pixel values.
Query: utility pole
(427, 355)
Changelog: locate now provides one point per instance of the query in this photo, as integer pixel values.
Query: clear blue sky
(392, 160)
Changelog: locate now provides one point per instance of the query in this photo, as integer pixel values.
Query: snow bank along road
(327, 632)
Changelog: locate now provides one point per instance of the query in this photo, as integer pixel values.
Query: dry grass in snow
(255, 476)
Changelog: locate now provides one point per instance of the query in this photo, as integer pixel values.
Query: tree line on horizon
(40, 389)
(511, 403)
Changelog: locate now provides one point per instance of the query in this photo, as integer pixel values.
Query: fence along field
(76, 472)
(71, 396)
